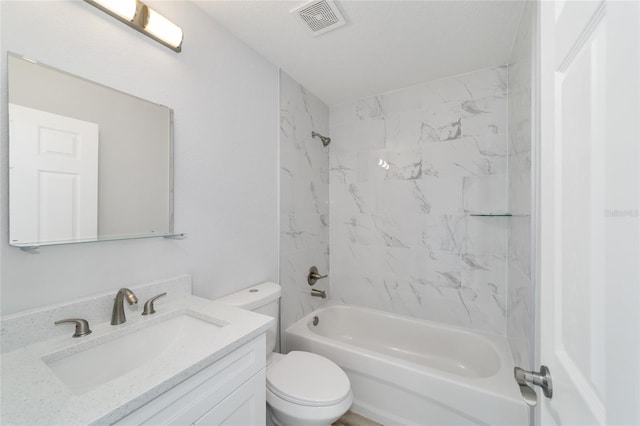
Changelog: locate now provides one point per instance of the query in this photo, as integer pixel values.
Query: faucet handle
(314, 276)
(148, 306)
(82, 326)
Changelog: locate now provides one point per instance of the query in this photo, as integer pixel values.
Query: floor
(352, 419)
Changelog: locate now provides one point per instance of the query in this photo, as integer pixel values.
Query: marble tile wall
(519, 237)
(406, 170)
(304, 198)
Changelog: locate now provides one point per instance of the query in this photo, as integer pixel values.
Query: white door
(589, 276)
(53, 175)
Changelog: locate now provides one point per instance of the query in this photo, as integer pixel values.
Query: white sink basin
(103, 360)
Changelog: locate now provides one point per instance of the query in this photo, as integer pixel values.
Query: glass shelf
(491, 214)
(37, 245)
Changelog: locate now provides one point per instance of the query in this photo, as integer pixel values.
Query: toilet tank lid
(253, 297)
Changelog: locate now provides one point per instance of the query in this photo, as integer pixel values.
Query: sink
(100, 361)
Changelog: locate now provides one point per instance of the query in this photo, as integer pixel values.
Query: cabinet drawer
(196, 395)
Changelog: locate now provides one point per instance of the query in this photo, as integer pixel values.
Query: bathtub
(414, 372)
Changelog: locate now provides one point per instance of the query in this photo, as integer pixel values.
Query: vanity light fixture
(144, 19)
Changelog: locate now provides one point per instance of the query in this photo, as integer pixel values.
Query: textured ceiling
(386, 45)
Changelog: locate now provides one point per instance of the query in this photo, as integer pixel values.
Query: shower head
(325, 140)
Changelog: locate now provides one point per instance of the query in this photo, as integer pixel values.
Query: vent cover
(318, 17)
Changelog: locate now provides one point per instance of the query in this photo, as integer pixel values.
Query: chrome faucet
(117, 315)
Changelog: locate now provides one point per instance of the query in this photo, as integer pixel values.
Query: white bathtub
(414, 372)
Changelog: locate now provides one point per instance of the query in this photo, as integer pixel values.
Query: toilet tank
(261, 298)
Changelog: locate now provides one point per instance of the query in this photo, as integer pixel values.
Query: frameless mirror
(86, 162)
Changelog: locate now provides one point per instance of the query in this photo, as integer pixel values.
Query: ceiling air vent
(318, 17)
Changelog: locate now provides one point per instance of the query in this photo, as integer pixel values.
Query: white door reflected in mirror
(53, 176)
(68, 192)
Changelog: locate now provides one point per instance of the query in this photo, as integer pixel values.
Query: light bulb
(164, 29)
(124, 8)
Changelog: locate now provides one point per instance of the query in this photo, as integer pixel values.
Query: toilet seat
(307, 379)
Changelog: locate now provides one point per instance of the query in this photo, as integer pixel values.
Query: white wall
(225, 99)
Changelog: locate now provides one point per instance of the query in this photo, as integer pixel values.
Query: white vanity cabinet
(231, 391)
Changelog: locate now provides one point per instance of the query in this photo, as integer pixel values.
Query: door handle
(542, 379)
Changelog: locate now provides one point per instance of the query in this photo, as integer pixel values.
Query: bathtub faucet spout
(319, 293)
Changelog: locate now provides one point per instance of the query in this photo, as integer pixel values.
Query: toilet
(302, 388)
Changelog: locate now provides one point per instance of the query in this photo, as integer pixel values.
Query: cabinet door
(197, 395)
(245, 406)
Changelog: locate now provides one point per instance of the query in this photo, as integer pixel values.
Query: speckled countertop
(33, 395)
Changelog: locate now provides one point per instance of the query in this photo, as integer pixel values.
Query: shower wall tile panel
(304, 198)
(519, 234)
(406, 169)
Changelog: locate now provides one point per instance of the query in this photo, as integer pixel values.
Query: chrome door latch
(542, 379)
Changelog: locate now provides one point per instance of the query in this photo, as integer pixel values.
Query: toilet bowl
(303, 389)
(306, 389)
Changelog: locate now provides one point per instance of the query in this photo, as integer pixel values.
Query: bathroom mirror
(86, 162)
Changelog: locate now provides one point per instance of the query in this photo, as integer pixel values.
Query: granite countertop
(32, 394)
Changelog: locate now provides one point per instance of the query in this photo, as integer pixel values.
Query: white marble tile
(465, 308)
(519, 185)
(485, 194)
(391, 164)
(444, 91)
(375, 262)
(444, 233)
(487, 116)
(402, 198)
(402, 101)
(484, 273)
(344, 167)
(473, 156)
(486, 236)
(404, 129)
(519, 243)
(310, 197)
(287, 200)
(405, 263)
(491, 82)
(358, 136)
(404, 167)
(487, 312)
(306, 159)
(304, 197)
(343, 113)
(303, 231)
(520, 317)
(441, 122)
(446, 305)
(443, 269)
(444, 195)
(370, 108)
(357, 290)
(353, 198)
(402, 296)
(520, 293)
(378, 230)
